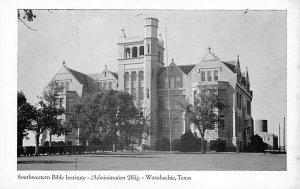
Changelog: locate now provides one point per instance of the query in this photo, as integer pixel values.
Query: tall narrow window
(134, 52)
(61, 102)
(141, 50)
(67, 86)
(176, 127)
(141, 85)
(202, 75)
(148, 48)
(159, 57)
(178, 82)
(126, 82)
(166, 127)
(176, 102)
(222, 122)
(100, 86)
(127, 52)
(248, 107)
(133, 85)
(172, 82)
(109, 85)
(216, 75)
(166, 82)
(105, 85)
(166, 102)
(209, 78)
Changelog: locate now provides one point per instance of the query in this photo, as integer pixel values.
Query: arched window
(159, 56)
(148, 48)
(133, 85)
(127, 52)
(134, 52)
(141, 85)
(126, 82)
(141, 50)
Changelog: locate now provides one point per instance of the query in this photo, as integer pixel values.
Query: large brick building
(160, 88)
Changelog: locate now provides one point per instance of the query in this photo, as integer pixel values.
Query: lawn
(157, 161)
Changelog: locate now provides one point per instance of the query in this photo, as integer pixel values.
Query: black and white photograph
(151, 95)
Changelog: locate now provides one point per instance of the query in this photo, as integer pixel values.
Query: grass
(157, 161)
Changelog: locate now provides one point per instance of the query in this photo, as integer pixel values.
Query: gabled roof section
(187, 68)
(84, 79)
(230, 65)
(172, 64)
(209, 56)
(108, 71)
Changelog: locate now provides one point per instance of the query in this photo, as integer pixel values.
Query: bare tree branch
(26, 25)
(50, 11)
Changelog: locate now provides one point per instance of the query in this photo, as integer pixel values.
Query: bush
(220, 145)
(29, 150)
(257, 144)
(189, 143)
(163, 144)
(176, 145)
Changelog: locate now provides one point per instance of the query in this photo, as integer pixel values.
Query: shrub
(163, 144)
(29, 150)
(220, 145)
(257, 144)
(189, 143)
(176, 145)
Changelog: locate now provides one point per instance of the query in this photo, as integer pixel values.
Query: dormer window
(209, 78)
(216, 75)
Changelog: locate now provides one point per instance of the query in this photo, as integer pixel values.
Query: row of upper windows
(134, 52)
(209, 75)
(64, 84)
(239, 102)
(172, 82)
(105, 85)
(164, 125)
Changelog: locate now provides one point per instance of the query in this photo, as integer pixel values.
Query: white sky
(86, 40)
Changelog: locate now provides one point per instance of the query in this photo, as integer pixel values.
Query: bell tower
(140, 59)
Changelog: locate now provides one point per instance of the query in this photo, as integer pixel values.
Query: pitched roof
(115, 74)
(83, 79)
(187, 68)
(230, 65)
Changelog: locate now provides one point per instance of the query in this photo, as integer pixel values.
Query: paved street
(157, 161)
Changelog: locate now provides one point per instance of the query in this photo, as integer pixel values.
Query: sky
(86, 41)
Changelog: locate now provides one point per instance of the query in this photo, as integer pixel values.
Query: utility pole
(284, 134)
(279, 138)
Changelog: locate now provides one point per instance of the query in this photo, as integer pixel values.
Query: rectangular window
(67, 86)
(202, 75)
(178, 82)
(100, 86)
(216, 75)
(160, 125)
(222, 122)
(166, 127)
(172, 83)
(133, 93)
(248, 107)
(110, 85)
(141, 93)
(61, 102)
(176, 102)
(223, 96)
(104, 85)
(166, 82)
(176, 124)
(209, 78)
(166, 103)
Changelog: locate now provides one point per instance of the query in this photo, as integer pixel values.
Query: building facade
(161, 88)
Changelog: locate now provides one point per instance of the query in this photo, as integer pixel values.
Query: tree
(85, 115)
(111, 112)
(50, 98)
(26, 113)
(203, 112)
(26, 15)
(47, 114)
(118, 111)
